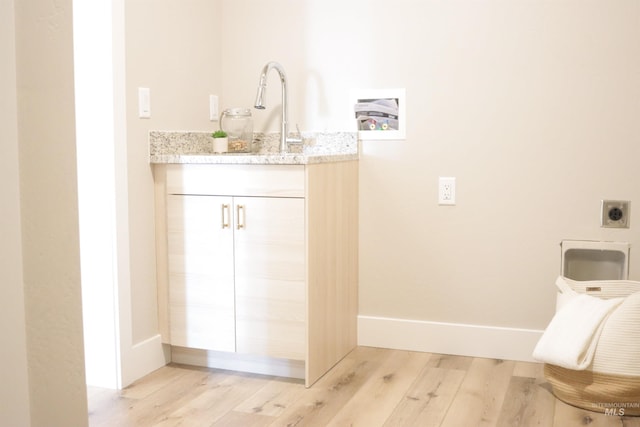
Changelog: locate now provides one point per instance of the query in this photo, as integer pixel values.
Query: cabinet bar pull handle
(240, 214)
(225, 216)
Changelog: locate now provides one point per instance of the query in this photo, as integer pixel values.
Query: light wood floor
(370, 387)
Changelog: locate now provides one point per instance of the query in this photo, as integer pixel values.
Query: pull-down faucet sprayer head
(261, 102)
(260, 97)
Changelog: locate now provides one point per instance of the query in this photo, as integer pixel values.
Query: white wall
(173, 49)
(14, 387)
(532, 105)
(49, 218)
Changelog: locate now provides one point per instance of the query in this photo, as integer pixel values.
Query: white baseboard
(143, 358)
(448, 338)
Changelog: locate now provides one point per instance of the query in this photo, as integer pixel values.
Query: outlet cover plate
(446, 190)
(615, 213)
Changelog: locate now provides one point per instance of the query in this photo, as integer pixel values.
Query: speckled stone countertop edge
(187, 147)
(248, 159)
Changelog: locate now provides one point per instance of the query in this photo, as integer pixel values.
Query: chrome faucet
(261, 104)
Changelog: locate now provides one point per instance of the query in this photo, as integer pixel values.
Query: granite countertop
(196, 148)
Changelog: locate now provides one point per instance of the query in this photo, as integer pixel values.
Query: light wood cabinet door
(270, 277)
(201, 276)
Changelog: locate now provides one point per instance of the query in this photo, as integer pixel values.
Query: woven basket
(612, 382)
(615, 394)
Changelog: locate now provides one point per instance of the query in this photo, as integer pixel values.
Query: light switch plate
(213, 108)
(144, 103)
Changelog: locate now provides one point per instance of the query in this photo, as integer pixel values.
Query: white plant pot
(220, 145)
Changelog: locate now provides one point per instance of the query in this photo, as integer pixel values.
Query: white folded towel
(571, 338)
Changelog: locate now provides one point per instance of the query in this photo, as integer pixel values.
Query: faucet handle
(296, 140)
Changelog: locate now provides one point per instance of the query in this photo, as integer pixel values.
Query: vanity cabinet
(258, 265)
(236, 274)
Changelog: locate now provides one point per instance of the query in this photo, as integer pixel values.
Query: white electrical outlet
(446, 190)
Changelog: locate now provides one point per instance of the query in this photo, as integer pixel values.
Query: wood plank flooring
(370, 387)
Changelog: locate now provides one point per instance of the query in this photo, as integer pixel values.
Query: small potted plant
(220, 141)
